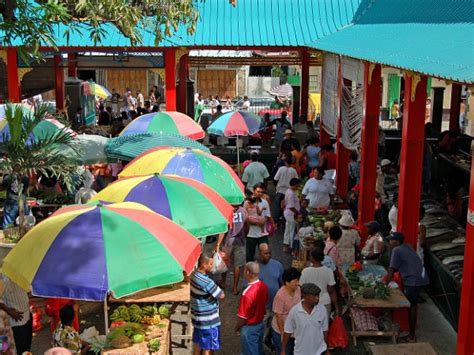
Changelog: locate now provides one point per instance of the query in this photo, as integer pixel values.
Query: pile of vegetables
(145, 315)
(122, 336)
(318, 220)
(370, 287)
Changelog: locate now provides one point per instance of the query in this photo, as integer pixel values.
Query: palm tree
(26, 153)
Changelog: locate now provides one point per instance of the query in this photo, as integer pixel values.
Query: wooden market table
(396, 300)
(176, 294)
(162, 333)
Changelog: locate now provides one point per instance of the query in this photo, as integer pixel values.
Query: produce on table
(120, 342)
(164, 311)
(138, 338)
(153, 346)
(146, 315)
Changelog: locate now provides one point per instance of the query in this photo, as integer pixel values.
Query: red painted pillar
(466, 311)
(183, 79)
(170, 80)
(304, 94)
(369, 145)
(455, 108)
(411, 157)
(14, 92)
(342, 161)
(72, 65)
(59, 81)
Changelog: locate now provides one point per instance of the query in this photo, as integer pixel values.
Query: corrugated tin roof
(434, 37)
(251, 23)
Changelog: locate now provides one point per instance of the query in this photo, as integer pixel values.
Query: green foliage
(26, 155)
(33, 21)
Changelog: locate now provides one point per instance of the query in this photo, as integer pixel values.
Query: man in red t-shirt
(251, 312)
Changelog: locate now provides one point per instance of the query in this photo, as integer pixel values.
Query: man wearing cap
(405, 260)
(289, 141)
(308, 322)
(15, 302)
(373, 247)
(256, 172)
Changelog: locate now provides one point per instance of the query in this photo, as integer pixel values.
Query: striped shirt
(15, 297)
(204, 301)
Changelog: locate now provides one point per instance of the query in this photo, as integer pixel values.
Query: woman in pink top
(335, 233)
(287, 296)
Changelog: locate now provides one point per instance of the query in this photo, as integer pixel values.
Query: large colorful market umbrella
(238, 123)
(189, 203)
(100, 91)
(189, 163)
(84, 252)
(131, 146)
(165, 122)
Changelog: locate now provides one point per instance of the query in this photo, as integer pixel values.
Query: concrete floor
(433, 327)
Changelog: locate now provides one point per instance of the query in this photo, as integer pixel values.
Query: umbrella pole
(238, 156)
(106, 316)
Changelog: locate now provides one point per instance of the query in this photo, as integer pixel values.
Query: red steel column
(342, 161)
(411, 157)
(466, 311)
(304, 94)
(170, 79)
(72, 65)
(369, 145)
(14, 92)
(455, 108)
(59, 81)
(183, 79)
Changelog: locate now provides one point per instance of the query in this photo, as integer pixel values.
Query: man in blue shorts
(205, 296)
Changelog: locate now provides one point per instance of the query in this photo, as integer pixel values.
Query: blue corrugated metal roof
(434, 37)
(251, 23)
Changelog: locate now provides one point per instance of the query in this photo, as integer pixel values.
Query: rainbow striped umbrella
(165, 122)
(189, 163)
(100, 91)
(172, 196)
(84, 252)
(237, 123)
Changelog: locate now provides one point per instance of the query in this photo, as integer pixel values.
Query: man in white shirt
(257, 233)
(322, 277)
(308, 322)
(393, 214)
(246, 104)
(318, 190)
(255, 173)
(282, 180)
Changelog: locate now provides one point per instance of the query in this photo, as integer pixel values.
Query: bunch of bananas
(121, 314)
(150, 315)
(136, 313)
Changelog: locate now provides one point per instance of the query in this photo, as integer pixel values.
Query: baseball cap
(396, 236)
(385, 162)
(288, 131)
(373, 225)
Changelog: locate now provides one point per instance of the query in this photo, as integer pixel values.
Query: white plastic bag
(219, 264)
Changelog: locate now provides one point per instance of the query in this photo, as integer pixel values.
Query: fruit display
(151, 315)
(121, 336)
(319, 220)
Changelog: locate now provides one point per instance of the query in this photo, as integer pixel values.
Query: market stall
(175, 295)
(367, 291)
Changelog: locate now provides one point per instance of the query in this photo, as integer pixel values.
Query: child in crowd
(254, 212)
